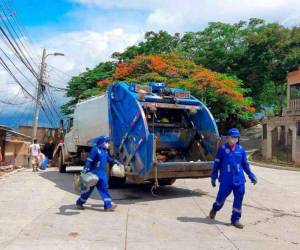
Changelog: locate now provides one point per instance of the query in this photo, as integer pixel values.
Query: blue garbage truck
(158, 133)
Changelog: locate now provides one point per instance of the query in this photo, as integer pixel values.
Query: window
(264, 131)
(70, 124)
(295, 91)
(298, 128)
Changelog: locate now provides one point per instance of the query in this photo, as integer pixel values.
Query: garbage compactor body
(160, 132)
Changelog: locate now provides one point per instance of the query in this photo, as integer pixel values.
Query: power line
(12, 26)
(55, 87)
(13, 33)
(2, 62)
(51, 103)
(21, 115)
(49, 115)
(24, 33)
(11, 61)
(13, 103)
(16, 39)
(59, 71)
(24, 61)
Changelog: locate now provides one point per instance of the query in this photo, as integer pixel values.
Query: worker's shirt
(97, 161)
(35, 149)
(230, 164)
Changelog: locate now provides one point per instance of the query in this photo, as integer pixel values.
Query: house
(281, 135)
(14, 147)
(43, 134)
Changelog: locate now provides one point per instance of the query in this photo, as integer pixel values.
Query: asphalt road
(37, 212)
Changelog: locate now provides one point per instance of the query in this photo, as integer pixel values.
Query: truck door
(132, 142)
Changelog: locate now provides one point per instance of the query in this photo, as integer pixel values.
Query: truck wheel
(167, 181)
(115, 182)
(61, 166)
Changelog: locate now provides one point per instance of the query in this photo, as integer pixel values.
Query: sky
(89, 31)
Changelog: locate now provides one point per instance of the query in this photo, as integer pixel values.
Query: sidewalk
(7, 169)
(269, 165)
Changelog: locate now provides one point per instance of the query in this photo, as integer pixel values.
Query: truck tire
(115, 182)
(166, 182)
(61, 166)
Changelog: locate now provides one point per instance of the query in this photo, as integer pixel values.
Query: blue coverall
(96, 163)
(231, 163)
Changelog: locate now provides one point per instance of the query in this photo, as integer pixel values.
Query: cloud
(10, 91)
(188, 15)
(84, 49)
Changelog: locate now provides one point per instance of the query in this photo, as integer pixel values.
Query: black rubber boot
(110, 209)
(212, 214)
(79, 206)
(237, 224)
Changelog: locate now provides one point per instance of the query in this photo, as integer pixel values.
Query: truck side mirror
(61, 126)
(69, 124)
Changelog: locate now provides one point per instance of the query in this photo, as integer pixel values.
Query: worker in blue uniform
(229, 167)
(96, 164)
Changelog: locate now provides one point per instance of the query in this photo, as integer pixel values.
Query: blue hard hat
(233, 132)
(102, 139)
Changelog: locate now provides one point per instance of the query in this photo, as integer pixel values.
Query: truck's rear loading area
(156, 128)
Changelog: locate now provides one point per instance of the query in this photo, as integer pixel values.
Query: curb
(265, 165)
(12, 172)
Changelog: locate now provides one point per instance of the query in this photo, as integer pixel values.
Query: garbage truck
(158, 133)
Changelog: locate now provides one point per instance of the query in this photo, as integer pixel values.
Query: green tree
(155, 43)
(223, 94)
(85, 84)
(258, 53)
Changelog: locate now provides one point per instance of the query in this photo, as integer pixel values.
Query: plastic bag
(44, 163)
(118, 170)
(78, 186)
(89, 179)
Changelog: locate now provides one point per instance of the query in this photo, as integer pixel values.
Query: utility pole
(40, 90)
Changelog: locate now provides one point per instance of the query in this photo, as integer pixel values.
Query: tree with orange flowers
(223, 94)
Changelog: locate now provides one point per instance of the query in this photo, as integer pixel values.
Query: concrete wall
(16, 153)
(44, 135)
(289, 122)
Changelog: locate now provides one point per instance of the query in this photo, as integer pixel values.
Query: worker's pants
(238, 193)
(102, 187)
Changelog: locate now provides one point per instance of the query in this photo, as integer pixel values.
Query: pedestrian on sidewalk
(35, 150)
(96, 164)
(229, 167)
(42, 161)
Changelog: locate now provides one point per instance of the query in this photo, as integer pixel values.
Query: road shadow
(201, 220)
(69, 210)
(130, 193)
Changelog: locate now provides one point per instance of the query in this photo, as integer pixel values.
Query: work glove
(213, 183)
(117, 162)
(254, 181)
(84, 170)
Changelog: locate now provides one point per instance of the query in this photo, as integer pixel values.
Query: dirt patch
(73, 234)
